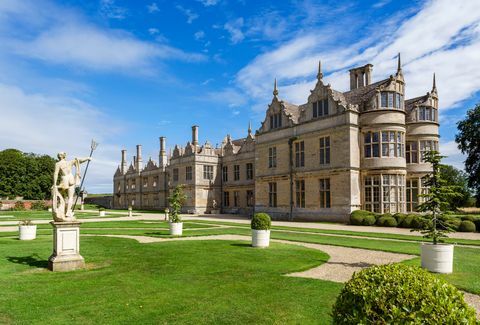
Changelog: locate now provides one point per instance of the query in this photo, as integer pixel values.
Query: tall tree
(458, 178)
(468, 140)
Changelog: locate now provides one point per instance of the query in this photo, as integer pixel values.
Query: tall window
(300, 193)
(390, 99)
(324, 151)
(299, 154)
(325, 193)
(226, 199)
(236, 172)
(412, 152)
(412, 194)
(250, 198)
(175, 174)
(426, 146)
(249, 171)
(272, 157)
(320, 108)
(426, 114)
(384, 193)
(225, 173)
(145, 182)
(155, 181)
(188, 173)
(391, 142)
(272, 194)
(207, 172)
(275, 120)
(236, 198)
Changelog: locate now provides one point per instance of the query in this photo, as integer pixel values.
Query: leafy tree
(25, 174)
(456, 177)
(468, 140)
(176, 200)
(436, 200)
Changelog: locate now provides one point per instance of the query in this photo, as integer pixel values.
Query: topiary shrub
(261, 221)
(389, 222)
(467, 226)
(369, 220)
(469, 218)
(400, 294)
(407, 221)
(453, 223)
(19, 206)
(357, 216)
(38, 205)
(399, 217)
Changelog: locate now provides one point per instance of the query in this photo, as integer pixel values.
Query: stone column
(139, 158)
(162, 159)
(66, 247)
(195, 135)
(124, 162)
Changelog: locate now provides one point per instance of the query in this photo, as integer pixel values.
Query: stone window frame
(155, 181)
(379, 189)
(388, 99)
(412, 191)
(325, 194)
(299, 147)
(226, 199)
(324, 143)
(208, 172)
(236, 172)
(425, 146)
(249, 171)
(225, 173)
(320, 108)
(236, 199)
(272, 194)
(300, 193)
(250, 198)
(272, 157)
(145, 182)
(411, 152)
(374, 144)
(427, 113)
(275, 120)
(175, 174)
(188, 173)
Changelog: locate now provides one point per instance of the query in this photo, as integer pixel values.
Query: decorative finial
(399, 65)
(434, 88)
(275, 91)
(249, 127)
(319, 74)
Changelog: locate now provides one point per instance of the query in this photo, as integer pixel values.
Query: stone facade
(338, 152)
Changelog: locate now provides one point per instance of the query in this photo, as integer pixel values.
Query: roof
(361, 94)
(292, 110)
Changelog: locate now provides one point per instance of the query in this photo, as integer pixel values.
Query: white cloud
(208, 3)
(191, 16)
(454, 156)
(153, 31)
(230, 97)
(46, 124)
(153, 7)
(199, 35)
(234, 27)
(109, 9)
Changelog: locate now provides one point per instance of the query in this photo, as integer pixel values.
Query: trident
(93, 146)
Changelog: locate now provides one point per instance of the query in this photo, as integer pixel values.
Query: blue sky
(126, 72)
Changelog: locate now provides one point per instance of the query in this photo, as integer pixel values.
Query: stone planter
(214, 211)
(260, 238)
(27, 232)
(102, 213)
(437, 258)
(176, 228)
(130, 214)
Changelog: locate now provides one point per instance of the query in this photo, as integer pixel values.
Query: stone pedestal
(66, 247)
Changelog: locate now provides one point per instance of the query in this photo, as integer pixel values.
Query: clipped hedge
(400, 294)
(386, 221)
(399, 217)
(261, 221)
(467, 226)
(357, 216)
(369, 220)
(469, 218)
(407, 221)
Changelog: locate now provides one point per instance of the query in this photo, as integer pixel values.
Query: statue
(63, 192)
(214, 204)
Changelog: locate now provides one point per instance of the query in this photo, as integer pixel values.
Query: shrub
(369, 220)
(389, 222)
(467, 226)
(469, 218)
(19, 206)
(401, 294)
(407, 221)
(477, 224)
(357, 216)
(101, 209)
(261, 221)
(38, 205)
(26, 222)
(454, 223)
(419, 222)
(399, 217)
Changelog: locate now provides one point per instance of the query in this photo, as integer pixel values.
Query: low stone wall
(103, 201)
(10, 204)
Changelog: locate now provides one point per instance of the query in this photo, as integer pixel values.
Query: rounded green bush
(407, 221)
(389, 222)
(261, 221)
(419, 222)
(399, 217)
(469, 218)
(400, 294)
(467, 226)
(454, 223)
(357, 216)
(38, 206)
(369, 220)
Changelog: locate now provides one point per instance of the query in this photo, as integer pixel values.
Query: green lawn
(175, 282)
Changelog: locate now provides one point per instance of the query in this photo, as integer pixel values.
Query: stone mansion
(338, 152)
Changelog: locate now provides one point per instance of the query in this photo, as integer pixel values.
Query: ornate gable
(118, 172)
(131, 169)
(150, 165)
(176, 151)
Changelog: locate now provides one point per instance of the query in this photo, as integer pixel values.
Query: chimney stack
(195, 135)
(123, 167)
(139, 161)
(162, 158)
(361, 76)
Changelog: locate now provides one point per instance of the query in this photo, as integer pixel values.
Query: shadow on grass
(32, 260)
(241, 245)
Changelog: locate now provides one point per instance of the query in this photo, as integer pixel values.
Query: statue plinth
(66, 247)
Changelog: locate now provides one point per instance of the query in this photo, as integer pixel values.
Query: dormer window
(390, 99)
(320, 108)
(426, 113)
(275, 120)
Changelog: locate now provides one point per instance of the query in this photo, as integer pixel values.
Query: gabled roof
(292, 111)
(359, 95)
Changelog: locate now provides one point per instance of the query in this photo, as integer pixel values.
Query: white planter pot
(260, 238)
(102, 213)
(130, 214)
(28, 232)
(437, 258)
(176, 228)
